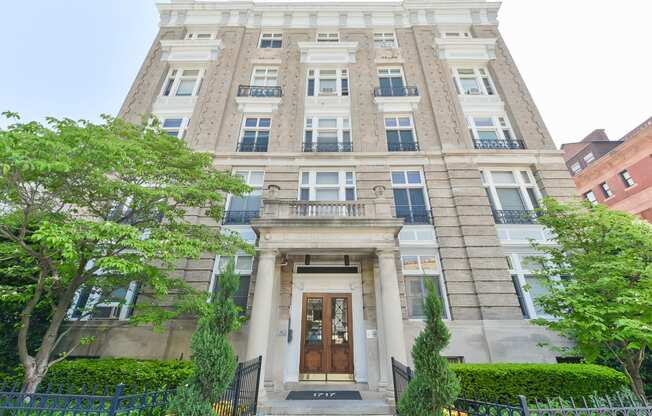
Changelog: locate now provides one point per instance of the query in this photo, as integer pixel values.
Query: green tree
(214, 361)
(434, 386)
(100, 206)
(603, 300)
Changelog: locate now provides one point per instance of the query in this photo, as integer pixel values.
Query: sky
(587, 63)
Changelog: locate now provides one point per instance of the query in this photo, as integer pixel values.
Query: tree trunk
(637, 384)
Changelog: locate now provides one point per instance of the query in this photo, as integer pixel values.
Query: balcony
(258, 99)
(252, 147)
(396, 92)
(499, 144)
(515, 216)
(327, 147)
(403, 147)
(413, 215)
(240, 217)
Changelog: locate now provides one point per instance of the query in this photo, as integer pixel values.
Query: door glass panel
(314, 321)
(339, 321)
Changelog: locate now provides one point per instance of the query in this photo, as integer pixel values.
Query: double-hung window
(242, 209)
(175, 126)
(606, 191)
(527, 284)
(255, 134)
(327, 134)
(328, 37)
(200, 36)
(576, 168)
(103, 303)
(473, 81)
(328, 82)
(419, 266)
(243, 267)
(627, 179)
(271, 40)
(327, 186)
(265, 76)
(183, 82)
(513, 195)
(410, 198)
(588, 158)
(392, 82)
(400, 134)
(590, 196)
(491, 131)
(385, 40)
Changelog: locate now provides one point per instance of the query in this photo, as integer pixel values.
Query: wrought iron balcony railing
(413, 214)
(240, 217)
(513, 216)
(499, 144)
(252, 147)
(256, 91)
(403, 147)
(327, 147)
(396, 92)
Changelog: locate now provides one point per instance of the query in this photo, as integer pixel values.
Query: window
(328, 37)
(265, 76)
(576, 168)
(392, 82)
(456, 34)
(242, 209)
(606, 191)
(627, 179)
(328, 82)
(473, 81)
(175, 127)
(385, 40)
(327, 186)
(200, 36)
(513, 195)
(410, 198)
(102, 304)
(590, 196)
(255, 134)
(528, 286)
(400, 134)
(271, 40)
(418, 267)
(243, 267)
(490, 129)
(327, 134)
(183, 83)
(588, 158)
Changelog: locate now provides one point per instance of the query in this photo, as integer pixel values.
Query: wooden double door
(326, 337)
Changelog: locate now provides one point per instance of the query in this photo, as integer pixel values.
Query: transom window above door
(183, 82)
(328, 37)
(473, 81)
(327, 134)
(327, 186)
(513, 195)
(328, 82)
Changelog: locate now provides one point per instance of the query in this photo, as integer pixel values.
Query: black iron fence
(240, 399)
(396, 92)
(413, 214)
(499, 144)
(403, 146)
(328, 147)
(515, 216)
(240, 217)
(252, 147)
(256, 91)
(621, 404)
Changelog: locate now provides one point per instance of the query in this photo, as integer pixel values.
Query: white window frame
(391, 72)
(343, 126)
(327, 37)
(176, 75)
(590, 196)
(256, 128)
(589, 158)
(247, 177)
(315, 74)
(269, 75)
(272, 37)
(343, 183)
(217, 270)
(124, 309)
(518, 268)
(500, 125)
(481, 77)
(407, 185)
(627, 178)
(397, 118)
(576, 168)
(198, 35)
(435, 274)
(385, 39)
(519, 183)
(606, 190)
(180, 131)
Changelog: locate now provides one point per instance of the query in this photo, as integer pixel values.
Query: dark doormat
(324, 395)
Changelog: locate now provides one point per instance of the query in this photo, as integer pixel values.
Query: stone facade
(468, 239)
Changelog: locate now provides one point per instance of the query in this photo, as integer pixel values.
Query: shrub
(505, 382)
(135, 374)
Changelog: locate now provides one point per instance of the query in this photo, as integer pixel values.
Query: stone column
(391, 301)
(261, 309)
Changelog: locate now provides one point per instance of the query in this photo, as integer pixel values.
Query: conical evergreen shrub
(434, 386)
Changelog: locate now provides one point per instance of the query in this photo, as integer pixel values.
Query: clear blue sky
(586, 62)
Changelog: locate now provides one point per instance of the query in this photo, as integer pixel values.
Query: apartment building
(617, 173)
(388, 143)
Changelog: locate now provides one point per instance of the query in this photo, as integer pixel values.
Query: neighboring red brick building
(615, 173)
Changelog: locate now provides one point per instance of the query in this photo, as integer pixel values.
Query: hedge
(505, 382)
(135, 374)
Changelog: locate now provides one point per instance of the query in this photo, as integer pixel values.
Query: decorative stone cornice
(475, 49)
(190, 51)
(328, 53)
